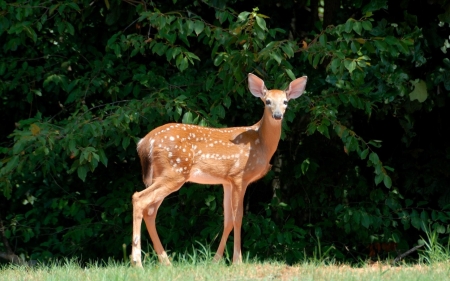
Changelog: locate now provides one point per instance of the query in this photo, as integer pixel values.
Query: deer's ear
(296, 88)
(256, 86)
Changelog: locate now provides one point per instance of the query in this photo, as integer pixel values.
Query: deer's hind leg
(145, 206)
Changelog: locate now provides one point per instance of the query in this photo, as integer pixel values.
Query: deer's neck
(269, 133)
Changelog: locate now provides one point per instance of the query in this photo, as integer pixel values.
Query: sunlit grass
(197, 265)
(72, 270)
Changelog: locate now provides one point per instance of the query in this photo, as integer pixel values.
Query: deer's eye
(268, 102)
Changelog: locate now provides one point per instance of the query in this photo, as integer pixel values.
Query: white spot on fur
(257, 141)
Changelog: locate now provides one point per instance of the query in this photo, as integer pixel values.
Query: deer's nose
(277, 116)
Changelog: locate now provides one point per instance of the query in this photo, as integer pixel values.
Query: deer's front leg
(238, 212)
(227, 221)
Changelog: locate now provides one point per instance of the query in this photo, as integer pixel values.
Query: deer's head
(276, 100)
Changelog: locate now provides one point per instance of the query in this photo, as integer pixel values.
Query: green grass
(71, 270)
(433, 265)
(435, 251)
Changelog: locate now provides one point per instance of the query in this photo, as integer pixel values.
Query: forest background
(363, 167)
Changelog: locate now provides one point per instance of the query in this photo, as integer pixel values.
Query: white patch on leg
(136, 240)
(151, 210)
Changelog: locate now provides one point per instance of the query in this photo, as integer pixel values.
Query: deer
(233, 157)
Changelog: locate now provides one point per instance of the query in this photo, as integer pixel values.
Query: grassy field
(433, 265)
(212, 271)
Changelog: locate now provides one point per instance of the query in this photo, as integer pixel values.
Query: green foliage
(82, 81)
(437, 249)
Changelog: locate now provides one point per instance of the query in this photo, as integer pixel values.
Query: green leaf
(323, 129)
(367, 25)
(316, 60)
(261, 22)
(364, 154)
(350, 65)
(74, 6)
(375, 5)
(183, 64)
(243, 16)
(335, 64)
(287, 49)
(420, 92)
(69, 28)
(103, 157)
(416, 221)
(312, 127)
(125, 142)
(203, 123)
(387, 181)
(365, 220)
(379, 178)
(290, 73)
(207, 31)
(381, 45)
(12, 164)
(357, 27)
(276, 56)
(189, 26)
(348, 25)
(223, 16)
(187, 118)
(373, 157)
(219, 59)
(198, 27)
(82, 172)
(323, 39)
